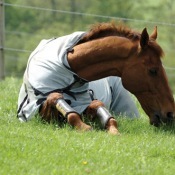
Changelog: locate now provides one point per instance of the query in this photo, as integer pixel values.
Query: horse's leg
(50, 108)
(97, 108)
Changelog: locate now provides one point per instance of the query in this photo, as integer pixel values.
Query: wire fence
(17, 50)
(87, 14)
(76, 13)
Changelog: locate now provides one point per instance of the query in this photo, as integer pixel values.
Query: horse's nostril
(170, 115)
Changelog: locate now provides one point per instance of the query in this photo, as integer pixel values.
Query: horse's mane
(100, 30)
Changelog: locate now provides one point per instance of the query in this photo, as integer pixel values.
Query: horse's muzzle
(158, 118)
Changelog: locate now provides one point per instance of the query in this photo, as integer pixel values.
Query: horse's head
(145, 77)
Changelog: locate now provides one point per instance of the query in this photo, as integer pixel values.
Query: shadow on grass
(168, 128)
(62, 123)
(126, 126)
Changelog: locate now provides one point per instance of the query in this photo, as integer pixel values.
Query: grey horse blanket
(48, 71)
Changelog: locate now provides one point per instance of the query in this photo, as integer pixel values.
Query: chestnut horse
(116, 50)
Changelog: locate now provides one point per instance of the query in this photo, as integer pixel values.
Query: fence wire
(28, 51)
(17, 50)
(76, 13)
(87, 14)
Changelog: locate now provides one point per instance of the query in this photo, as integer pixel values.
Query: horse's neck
(100, 58)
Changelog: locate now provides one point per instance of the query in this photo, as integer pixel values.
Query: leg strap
(63, 107)
(104, 115)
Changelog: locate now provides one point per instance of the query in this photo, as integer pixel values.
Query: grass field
(37, 148)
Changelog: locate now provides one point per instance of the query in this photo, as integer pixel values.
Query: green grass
(37, 148)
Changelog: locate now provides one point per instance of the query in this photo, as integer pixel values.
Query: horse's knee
(48, 110)
(92, 108)
(95, 104)
(52, 98)
(97, 109)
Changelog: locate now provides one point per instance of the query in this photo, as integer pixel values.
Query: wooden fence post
(2, 38)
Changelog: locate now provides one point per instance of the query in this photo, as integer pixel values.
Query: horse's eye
(152, 72)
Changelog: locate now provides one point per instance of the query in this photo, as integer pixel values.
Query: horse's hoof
(84, 128)
(114, 132)
(91, 129)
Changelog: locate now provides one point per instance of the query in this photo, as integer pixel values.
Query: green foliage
(37, 148)
(25, 27)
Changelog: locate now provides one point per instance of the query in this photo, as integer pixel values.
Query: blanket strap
(21, 105)
(64, 90)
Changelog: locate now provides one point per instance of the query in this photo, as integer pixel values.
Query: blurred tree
(26, 27)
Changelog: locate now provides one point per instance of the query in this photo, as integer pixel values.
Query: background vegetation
(25, 27)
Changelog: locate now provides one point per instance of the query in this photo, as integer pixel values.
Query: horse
(106, 50)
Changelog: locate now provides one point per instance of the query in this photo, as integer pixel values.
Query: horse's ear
(144, 39)
(154, 34)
